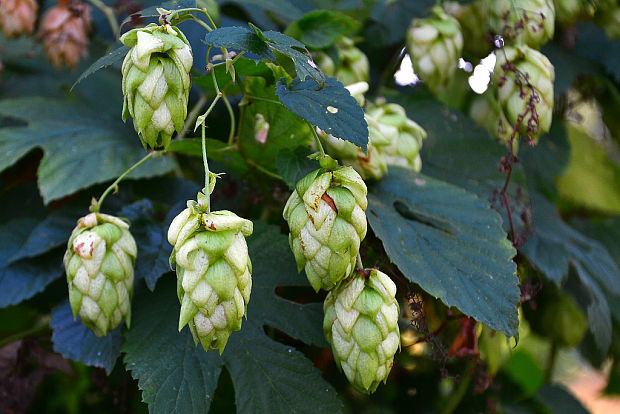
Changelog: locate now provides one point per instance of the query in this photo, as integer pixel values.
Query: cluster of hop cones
(63, 29)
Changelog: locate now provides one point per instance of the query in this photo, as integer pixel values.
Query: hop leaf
(361, 324)
(156, 82)
(99, 263)
(327, 222)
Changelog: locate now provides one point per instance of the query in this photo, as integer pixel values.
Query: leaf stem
(191, 118)
(233, 122)
(206, 164)
(114, 186)
(316, 139)
(108, 12)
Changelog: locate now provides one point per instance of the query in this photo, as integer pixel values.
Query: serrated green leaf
(178, 377)
(294, 165)
(554, 246)
(81, 147)
(331, 108)
(243, 67)
(320, 29)
(449, 242)
(103, 62)
(239, 38)
(75, 341)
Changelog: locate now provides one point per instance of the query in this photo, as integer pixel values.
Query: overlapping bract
(64, 30)
(512, 96)
(327, 221)
(528, 22)
(99, 263)
(435, 45)
(156, 82)
(214, 272)
(17, 17)
(361, 325)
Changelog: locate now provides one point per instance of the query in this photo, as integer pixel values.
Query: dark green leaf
(322, 28)
(241, 39)
(81, 147)
(449, 242)
(75, 341)
(559, 400)
(294, 165)
(568, 66)
(297, 52)
(178, 377)
(243, 67)
(216, 150)
(331, 108)
(288, 9)
(111, 58)
(592, 42)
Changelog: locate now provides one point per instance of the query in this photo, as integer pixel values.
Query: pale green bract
(527, 22)
(435, 45)
(361, 325)
(99, 263)
(214, 272)
(353, 66)
(327, 221)
(156, 82)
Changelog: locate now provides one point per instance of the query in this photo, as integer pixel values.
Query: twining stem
(316, 139)
(108, 12)
(200, 22)
(191, 118)
(96, 206)
(206, 164)
(233, 122)
(264, 170)
(173, 13)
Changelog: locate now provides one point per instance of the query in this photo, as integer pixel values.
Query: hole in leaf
(433, 222)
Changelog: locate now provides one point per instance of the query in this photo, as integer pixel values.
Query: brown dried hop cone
(214, 271)
(327, 221)
(17, 16)
(99, 264)
(64, 30)
(361, 325)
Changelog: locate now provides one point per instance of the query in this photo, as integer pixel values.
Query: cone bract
(99, 263)
(435, 45)
(327, 221)
(64, 30)
(18, 16)
(361, 325)
(537, 17)
(353, 66)
(156, 82)
(214, 272)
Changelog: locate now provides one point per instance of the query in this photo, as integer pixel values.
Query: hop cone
(532, 24)
(327, 221)
(156, 82)
(473, 19)
(213, 272)
(361, 325)
(353, 67)
(99, 264)
(368, 165)
(17, 16)
(435, 45)
(64, 30)
(404, 135)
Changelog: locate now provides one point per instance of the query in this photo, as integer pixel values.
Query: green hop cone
(327, 221)
(214, 272)
(568, 11)
(99, 263)
(473, 19)
(361, 325)
(404, 135)
(370, 165)
(435, 45)
(528, 22)
(156, 82)
(353, 66)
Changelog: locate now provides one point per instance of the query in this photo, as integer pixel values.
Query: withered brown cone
(18, 16)
(64, 31)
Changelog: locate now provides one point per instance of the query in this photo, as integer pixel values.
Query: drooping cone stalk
(156, 82)
(214, 271)
(403, 135)
(435, 45)
(99, 263)
(17, 17)
(361, 325)
(327, 221)
(527, 22)
(64, 30)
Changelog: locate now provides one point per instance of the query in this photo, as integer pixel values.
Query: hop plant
(156, 82)
(327, 221)
(99, 263)
(353, 66)
(361, 325)
(404, 135)
(435, 45)
(64, 30)
(214, 271)
(473, 20)
(18, 17)
(528, 22)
